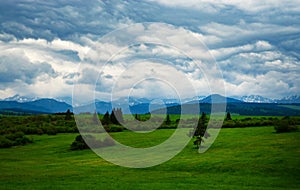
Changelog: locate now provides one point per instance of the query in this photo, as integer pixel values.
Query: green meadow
(240, 158)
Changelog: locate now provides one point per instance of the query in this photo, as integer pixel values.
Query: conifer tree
(113, 118)
(168, 120)
(95, 118)
(228, 116)
(68, 115)
(106, 119)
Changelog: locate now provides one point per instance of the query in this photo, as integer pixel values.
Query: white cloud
(153, 79)
(276, 83)
(213, 6)
(269, 73)
(35, 65)
(258, 46)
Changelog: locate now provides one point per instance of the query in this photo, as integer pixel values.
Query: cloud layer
(47, 46)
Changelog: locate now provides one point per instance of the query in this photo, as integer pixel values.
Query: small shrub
(247, 119)
(89, 141)
(14, 139)
(113, 128)
(22, 141)
(5, 143)
(76, 145)
(285, 125)
(228, 124)
(14, 136)
(81, 142)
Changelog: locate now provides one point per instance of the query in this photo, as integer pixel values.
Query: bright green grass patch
(242, 158)
(143, 140)
(241, 117)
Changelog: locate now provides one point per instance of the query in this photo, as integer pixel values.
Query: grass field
(241, 158)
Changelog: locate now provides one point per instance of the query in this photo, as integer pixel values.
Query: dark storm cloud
(16, 68)
(68, 19)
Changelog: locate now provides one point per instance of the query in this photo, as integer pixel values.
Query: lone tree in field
(200, 131)
(203, 117)
(198, 141)
(228, 116)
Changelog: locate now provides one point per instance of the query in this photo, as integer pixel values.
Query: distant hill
(290, 99)
(52, 105)
(99, 106)
(247, 109)
(234, 106)
(37, 106)
(19, 111)
(13, 105)
(216, 98)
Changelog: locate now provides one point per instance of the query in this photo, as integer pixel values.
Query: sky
(150, 48)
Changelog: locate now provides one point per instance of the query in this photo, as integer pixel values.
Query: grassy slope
(243, 158)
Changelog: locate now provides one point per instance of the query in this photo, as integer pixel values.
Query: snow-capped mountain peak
(21, 99)
(256, 99)
(290, 99)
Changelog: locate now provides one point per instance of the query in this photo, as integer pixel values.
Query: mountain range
(260, 99)
(33, 105)
(39, 106)
(250, 98)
